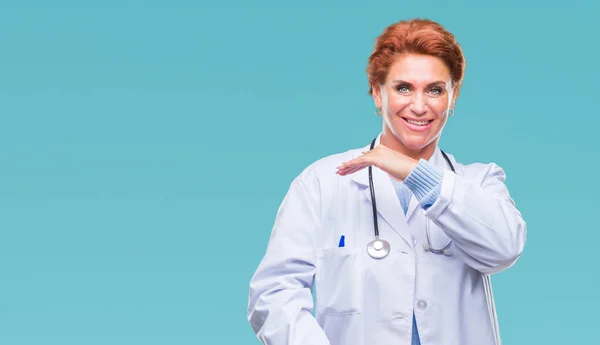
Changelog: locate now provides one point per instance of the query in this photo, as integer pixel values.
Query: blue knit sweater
(424, 182)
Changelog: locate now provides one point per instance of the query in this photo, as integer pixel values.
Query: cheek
(438, 106)
(398, 102)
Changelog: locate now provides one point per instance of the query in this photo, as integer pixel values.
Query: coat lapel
(388, 205)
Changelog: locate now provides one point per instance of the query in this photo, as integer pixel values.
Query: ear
(376, 95)
(455, 93)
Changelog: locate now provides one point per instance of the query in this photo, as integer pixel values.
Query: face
(414, 102)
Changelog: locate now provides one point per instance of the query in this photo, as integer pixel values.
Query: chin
(411, 141)
(414, 144)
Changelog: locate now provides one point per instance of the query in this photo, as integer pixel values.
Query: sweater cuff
(425, 182)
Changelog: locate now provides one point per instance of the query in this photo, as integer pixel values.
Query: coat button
(422, 304)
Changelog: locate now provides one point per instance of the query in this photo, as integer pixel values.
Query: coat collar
(388, 205)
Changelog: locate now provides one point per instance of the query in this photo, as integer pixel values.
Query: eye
(403, 88)
(436, 91)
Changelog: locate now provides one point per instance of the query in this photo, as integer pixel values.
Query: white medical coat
(365, 301)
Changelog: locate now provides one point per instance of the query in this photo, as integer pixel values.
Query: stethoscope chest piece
(378, 249)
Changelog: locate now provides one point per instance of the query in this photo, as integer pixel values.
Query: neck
(390, 141)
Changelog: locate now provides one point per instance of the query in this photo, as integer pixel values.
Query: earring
(377, 111)
(450, 112)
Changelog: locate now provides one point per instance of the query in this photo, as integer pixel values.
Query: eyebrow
(399, 81)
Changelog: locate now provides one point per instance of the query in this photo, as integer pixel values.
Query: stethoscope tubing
(374, 206)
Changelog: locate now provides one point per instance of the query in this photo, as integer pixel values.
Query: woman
(448, 225)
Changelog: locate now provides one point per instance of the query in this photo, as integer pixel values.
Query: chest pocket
(338, 281)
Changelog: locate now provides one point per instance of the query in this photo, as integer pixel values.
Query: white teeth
(418, 123)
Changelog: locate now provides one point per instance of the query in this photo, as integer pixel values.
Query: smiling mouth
(422, 123)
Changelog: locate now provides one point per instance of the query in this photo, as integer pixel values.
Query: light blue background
(145, 147)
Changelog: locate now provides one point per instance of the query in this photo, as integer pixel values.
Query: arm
(476, 213)
(280, 299)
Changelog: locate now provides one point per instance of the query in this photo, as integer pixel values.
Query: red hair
(417, 36)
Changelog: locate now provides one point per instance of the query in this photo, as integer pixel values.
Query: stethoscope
(379, 248)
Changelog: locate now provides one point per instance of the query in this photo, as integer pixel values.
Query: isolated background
(145, 147)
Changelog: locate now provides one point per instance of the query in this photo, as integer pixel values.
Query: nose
(418, 105)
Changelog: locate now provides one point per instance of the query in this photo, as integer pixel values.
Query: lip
(417, 128)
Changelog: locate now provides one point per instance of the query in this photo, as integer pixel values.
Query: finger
(346, 164)
(368, 157)
(365, 159)
(350, 164)
(352, 170)
(356, 169)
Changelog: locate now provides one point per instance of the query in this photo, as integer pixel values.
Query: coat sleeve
(478, 214)
(280, 301)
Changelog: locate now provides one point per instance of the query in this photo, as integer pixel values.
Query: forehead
(416, 68)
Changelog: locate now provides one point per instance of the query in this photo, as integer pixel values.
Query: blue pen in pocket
(341, 244)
